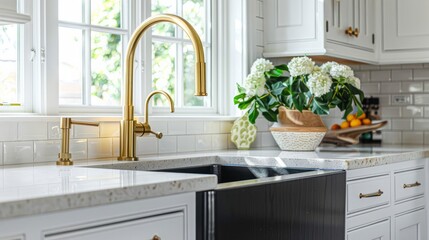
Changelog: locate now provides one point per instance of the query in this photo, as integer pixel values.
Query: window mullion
(87, 56)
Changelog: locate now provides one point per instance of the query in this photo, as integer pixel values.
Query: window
(173, 55)
(92, 39)
(15, 59)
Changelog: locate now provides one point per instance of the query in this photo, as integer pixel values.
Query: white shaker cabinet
(411, 226)
(337, 28)
(163, 218)
(387, 202)
(405, 31)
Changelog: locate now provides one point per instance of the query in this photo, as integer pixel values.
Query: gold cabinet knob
(356, 32)
(349, 31)
(156, 237)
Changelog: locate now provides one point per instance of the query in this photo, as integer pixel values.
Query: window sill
(27, 117)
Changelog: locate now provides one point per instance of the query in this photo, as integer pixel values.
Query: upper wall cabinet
(337, 28)
(405, 31)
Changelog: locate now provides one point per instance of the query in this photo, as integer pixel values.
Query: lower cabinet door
(377, 231)
(163, 227)
(411, 226)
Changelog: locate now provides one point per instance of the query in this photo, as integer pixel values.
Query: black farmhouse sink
(234, 173)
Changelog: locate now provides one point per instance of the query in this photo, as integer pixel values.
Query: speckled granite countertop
(325, 157)
(35, 189)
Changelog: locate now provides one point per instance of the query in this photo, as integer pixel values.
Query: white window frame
(25, 63)
(211, 60)
(229, 64)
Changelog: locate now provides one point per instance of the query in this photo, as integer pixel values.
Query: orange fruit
(355, 123)
(351, 117)
(362, 116)
(345, 124)
(366, 121)
(335, 127)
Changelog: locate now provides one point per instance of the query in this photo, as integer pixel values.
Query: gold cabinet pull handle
(370, 195)
(349, 31)
(411, 185)
(356, 32)
(156, 237)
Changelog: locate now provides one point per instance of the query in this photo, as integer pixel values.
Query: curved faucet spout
(128, 124)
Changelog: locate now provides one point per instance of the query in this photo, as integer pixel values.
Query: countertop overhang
(42, 188)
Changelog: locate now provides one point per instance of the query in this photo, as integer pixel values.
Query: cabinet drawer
(166, 227)
(368, 193)
(409, 184)
(379, 230)
(411, 226)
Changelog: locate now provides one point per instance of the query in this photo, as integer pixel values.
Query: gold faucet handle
(64, 157)
(144, 128)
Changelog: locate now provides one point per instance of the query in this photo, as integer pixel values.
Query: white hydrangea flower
(300, 66)
(326, 67)
(319, 83)
(261, 65)
(255, 84)
(354, 81)
(339, 70)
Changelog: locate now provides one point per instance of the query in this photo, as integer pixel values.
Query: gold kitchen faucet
(130, 128)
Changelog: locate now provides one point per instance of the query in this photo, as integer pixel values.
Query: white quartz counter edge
(52, 188)
(338, 158)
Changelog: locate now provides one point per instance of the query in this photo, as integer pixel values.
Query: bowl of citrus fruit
(348, 131)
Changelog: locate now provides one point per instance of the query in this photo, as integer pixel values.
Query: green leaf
(270, 116)
(253, 113)
(275, 73)
(319, 107)
(240, 89)
(277, 88)
(283, 67)
(244, 104)
(239, 98)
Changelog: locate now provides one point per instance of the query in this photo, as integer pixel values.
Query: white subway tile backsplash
(176, 127)
(402, 124)
(8, 131)
(85, 131)
(32, 131)
(186, 143)
(115, 146)
(364, 76)
(231, 145)
(412, 87)
(421, 124)
(394, 137)
(100, 148)
(203, 143)
(390, 112)
(168, 144)
(109, 129)
(421, 99)
(421, 74)
(378, 76)
(268, 140)
(426, 138)
(370, 88)
(54, 131)
(412, 66)
(195, 127)
(225, 126)
(402, 75)
(145, 146)
(18, 152)
(219, 142)
(1, 153)
(369, 67)
(46, 151)
(412, 112)
(412, 137)
(426, 86)
(79, 149)
(258, 141)
(391, 87)
(159, 126)
(211, 127)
